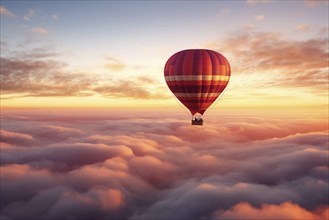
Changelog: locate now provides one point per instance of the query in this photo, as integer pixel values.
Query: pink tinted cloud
(314, 3)
(255, 52)
(6, 12)
(108, 199)
(286, 210)
(16, 138)
(260, 48)
(88, 165)
(40, 30)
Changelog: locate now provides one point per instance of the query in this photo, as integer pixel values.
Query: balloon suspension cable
(216, 101)
(183, 107)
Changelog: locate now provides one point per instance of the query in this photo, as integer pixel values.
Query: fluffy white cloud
(145, 167)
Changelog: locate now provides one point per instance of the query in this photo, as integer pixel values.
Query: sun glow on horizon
(127, 72)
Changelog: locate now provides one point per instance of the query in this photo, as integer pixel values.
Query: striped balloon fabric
(197, 77)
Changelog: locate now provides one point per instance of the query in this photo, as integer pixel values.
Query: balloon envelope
(197, 77)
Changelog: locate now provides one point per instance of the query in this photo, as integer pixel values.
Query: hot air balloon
(197, 77)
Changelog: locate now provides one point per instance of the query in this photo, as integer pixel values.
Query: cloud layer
(268, 59)
(285, 62)
(23, 75)
(156, 166)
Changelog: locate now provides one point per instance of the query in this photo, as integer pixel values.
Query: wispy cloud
(114, 64)
(4, 11)
(224, 12)
(249, 27)
(26, 76)
(31, 13)
(23, 75)
(134, 89)
(303, 27)
(315, 3)
(259, 17)
(254, 2)
(40, 30)
(54, 17)
(267, 52)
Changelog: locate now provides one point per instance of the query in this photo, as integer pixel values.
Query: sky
(111, 54)
(90, 130)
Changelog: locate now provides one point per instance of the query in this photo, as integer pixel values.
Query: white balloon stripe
(184, 95)
(197, 78)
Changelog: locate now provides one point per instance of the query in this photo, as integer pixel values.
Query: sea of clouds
(156, 166)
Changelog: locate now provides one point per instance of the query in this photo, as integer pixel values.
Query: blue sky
(119, 27)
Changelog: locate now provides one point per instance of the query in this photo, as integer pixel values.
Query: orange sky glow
(271, 67)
